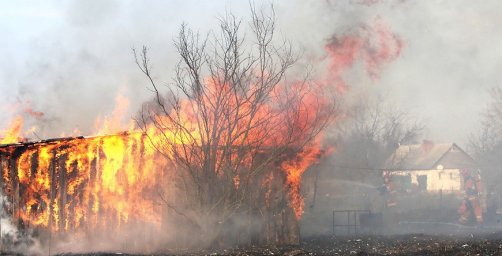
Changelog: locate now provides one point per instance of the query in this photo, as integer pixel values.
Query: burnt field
(410, 244)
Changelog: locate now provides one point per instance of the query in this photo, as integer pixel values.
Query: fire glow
(93, 183)
(77, 183)
(90, 183)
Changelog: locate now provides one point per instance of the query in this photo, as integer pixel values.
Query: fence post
(333, 222)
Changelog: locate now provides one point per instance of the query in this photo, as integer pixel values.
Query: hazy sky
(69, 59)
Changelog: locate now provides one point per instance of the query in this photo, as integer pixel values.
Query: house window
(451, 175)
(439, 175)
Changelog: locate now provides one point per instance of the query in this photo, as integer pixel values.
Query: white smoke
(14, 240)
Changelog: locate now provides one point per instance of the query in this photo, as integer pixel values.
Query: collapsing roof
(429, 155)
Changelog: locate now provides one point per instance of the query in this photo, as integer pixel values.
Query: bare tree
(486, 145)
(371, 130)
(230, 119)
(375, 129)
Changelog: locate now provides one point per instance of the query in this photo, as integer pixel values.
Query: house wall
(445, 180)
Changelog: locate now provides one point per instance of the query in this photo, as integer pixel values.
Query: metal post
(372, 225)
(333, 222)
(348, 222)
(355, 222)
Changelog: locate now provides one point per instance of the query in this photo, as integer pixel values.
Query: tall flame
(294, 170)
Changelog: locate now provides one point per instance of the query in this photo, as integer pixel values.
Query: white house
(428, 167)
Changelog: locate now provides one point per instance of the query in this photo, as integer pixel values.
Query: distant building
(434, 182)
(428, 167)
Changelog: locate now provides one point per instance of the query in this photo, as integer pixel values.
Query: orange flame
(79, 183)
(13, 133)
(93, 181)
(294, 170)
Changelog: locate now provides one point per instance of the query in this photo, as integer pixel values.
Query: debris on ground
(416, 244)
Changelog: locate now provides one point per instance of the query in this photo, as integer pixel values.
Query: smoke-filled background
(70, 59)
(403, 71)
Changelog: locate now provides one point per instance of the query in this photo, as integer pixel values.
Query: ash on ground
(410, 244)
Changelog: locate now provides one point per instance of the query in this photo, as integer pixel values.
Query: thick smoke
(65, 63)
(69, 60)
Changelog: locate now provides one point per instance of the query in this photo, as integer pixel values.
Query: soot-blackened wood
(99, 219)
(71, 199)
(52, 192)
(27, 189)
(12, 186)
(62, 191)
(92, 199)
(15, 180)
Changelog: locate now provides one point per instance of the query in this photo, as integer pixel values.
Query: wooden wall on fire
(59, 186)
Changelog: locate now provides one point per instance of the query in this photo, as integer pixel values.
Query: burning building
(98, 188)
(215, 158)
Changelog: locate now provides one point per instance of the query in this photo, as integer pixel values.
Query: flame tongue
(294, 170)
(13, 133)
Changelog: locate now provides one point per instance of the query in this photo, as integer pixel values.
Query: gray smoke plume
(64, 62)
(70, 59)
